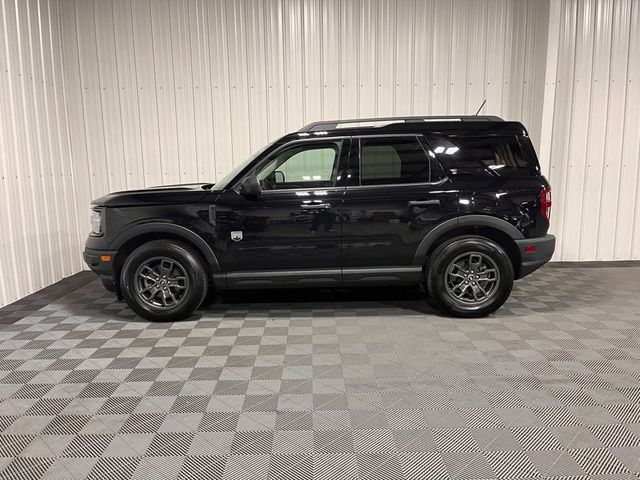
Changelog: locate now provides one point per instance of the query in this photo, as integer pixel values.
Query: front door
(290, 233)
(396, 195)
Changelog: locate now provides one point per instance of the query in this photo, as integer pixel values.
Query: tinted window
(480, 155)
(301, 166)
(392, 160)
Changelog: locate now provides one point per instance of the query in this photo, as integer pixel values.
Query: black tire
(187, 271)
(442, 288)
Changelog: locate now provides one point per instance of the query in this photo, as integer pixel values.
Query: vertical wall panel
(312, 31)
(386, 53)
(628, 213)
(591, 133)
(18, 178)
(330, 68)
(404, 67)
(109, 93)
(163, 64)
(184, 87)
(223, 154)
(348, 58)
(579, 130)
(631, 147)
(612, 157)
(601, 161)
(51, 178)
(256, 74)
(39, 239)
(422, 56)
(241, 121)
(202, 93)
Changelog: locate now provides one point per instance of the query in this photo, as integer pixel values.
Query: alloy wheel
(161, 282)
(472, 278)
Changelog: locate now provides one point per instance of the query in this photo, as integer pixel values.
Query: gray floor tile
(330, 385)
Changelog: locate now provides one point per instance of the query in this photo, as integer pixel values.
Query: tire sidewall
(175, 251)
(446, 253)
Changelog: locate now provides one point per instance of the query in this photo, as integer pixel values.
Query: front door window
(301, 166)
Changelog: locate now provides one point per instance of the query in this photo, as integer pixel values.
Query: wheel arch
(496, 229)
(132, 238)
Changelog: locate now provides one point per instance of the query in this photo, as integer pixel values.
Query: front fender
(161, 228)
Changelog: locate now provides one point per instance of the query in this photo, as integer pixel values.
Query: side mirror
(278, 176)
(250, 186)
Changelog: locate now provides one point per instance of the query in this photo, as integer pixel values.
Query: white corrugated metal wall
(39, 233)
(591, 139)
(168, 91)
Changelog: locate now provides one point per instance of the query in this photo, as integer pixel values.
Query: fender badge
(236, 236)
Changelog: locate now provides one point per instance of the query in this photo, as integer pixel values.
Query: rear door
(397, 193)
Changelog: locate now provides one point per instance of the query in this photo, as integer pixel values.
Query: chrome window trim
(311, 189)
(440, 182)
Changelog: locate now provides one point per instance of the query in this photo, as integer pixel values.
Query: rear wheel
(469, 276)
(163, 280)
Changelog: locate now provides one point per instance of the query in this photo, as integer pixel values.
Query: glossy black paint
(281, 230)
(516, 201)
(347, 234)
(383, 226)
(162, 195)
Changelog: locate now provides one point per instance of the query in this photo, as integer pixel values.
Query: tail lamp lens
(545, 203)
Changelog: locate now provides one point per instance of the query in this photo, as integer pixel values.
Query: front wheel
(163, 280)
(469, 276)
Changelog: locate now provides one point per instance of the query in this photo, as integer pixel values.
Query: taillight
(545, 203)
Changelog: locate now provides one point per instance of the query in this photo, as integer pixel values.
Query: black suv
(458, 204)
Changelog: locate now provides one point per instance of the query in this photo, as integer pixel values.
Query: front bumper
(540, 254)
(96, 260)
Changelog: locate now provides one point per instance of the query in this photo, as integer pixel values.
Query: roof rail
(333, 124)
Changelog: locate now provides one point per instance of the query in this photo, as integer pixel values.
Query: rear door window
(392, 161)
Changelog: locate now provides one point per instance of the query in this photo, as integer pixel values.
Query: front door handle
(315, 206)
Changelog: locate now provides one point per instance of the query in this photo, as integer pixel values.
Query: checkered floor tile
(369, 384)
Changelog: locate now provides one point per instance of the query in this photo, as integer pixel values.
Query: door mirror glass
(278, 176)
(250, 187)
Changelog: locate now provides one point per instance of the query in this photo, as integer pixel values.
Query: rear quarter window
(484, 156)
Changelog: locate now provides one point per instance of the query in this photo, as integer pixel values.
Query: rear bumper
(530, 262)
(95, 259)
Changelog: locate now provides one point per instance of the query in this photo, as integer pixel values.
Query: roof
(334, 124)
(449, 125)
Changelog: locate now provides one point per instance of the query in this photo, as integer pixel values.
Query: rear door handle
(423, 203)
(315, 206)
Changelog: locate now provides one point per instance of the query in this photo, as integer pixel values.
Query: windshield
(224, 181)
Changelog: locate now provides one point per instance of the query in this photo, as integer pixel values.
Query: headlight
(96, 222)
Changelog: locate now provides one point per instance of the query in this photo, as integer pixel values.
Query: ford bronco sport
(456, 203)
